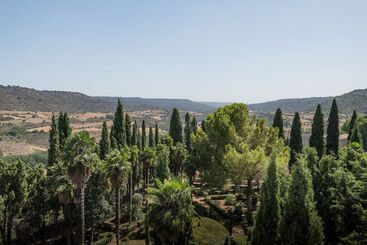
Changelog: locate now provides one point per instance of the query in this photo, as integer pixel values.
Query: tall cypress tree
(300, 223)
(203, 126)
(118, 125)
(175, 129)
(351, 124)
(134, 135)
(278, 123)
(268, 215)
(64, 129)
(332, 138)
(317, 132)
(355, 137)
(295, 142)
(53, 149)
(138, 141)
(113, 142)
(194, 125)
(128, 130)
(104, 143)
(151, 137)
(143, 135)
(187, 131)
(156, 134)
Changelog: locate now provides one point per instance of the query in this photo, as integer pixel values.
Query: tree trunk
(9, 228)
(130, 191)
(82, 217)
(117, 215)
(249, 201)
(91, 234)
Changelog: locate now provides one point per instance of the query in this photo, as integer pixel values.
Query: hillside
(27, 99)
(356, 99)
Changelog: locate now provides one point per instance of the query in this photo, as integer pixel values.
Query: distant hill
(20, 98)
(356, 99)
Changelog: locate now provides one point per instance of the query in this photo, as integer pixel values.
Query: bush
(209, 232)
(16, 131)
(137, 199)
(230, 199)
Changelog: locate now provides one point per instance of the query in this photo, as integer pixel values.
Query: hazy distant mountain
(356, 99)
(20, 98)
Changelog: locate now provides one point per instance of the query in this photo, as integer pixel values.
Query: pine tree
(187, 131)
(143, 135)
(54, 149)
(151, 137)
(118, 125)
(175, 129)
(113, 142)
(156, 134)
(128, 130)
(278, 123)
(194, 125)
(332, 138)
(203, 126)
(351, 124)
(300, 223)
(317, 132)
(295, 142)
(104, 143)
(134, 135)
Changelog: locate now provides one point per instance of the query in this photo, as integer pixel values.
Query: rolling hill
(356, 99)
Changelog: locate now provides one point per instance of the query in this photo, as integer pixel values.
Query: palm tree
(80, 157)
(171, 210)
(117, 170)
(148, 158)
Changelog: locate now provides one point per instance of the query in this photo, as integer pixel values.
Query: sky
(204, 50)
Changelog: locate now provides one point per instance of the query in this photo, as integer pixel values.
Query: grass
(209, 232)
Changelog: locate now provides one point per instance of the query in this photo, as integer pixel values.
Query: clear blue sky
(248, 51)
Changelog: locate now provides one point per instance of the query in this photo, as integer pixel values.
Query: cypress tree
(317, 132)
(351, 124)
(54, 149)
(118, 125)
(138, 141)
(151, 137)
(203, 126)
(332, 138)
(128, 130)
(355, 137)
(163, 171)
(104, 143)
(194, 125)
(268, 215)
(143, 135)
(278, 123)
(60, 127)
(156, 135)
(300, 223)
(187, 131)
(134, 135)
(295, 142)
(175, 129)
(113, 142)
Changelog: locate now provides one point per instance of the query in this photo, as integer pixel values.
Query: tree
(332, 138)
(203, 126)
(171, 211)
(53, 149)
(148, 158)
(151, 137)
(81, 159)
(117, 170)
(113, 141)
(179, 156)
(163, 171)
(118, 125)
(104, 143)
(317, 132)
(128, 130)
(300, 223)
(352, 123)
(194, 125)
(278, 123)
(143, 135)
(355, 136)
(134, 135)
(175, 129)
(295, 142)
(156, 134)
(64, 129)
(268, 215)
(187, 131)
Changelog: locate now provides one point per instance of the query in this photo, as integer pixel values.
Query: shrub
(230, 199)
